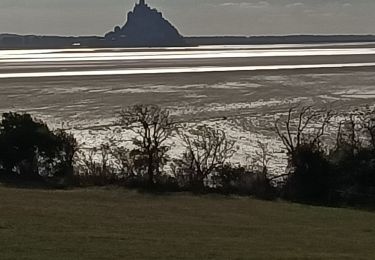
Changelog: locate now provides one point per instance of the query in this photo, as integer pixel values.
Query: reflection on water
(178, 70)
(130, 61)
(51, 56)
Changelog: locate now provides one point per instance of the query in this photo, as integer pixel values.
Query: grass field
(119, 224)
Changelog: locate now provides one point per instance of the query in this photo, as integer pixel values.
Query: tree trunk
(150, 170)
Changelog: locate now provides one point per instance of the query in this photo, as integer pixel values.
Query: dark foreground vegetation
(331, 158)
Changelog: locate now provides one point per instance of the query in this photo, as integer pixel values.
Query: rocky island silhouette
(145, 26)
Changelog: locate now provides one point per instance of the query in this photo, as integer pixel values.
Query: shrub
(310, 177)
(240, 180)
(353, 158)
(153, 126)
(207, 149)
(94, 167)
(29, 150)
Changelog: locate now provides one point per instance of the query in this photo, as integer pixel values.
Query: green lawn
(118, 224)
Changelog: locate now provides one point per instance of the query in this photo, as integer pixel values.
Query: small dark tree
(309, 178)
(312, 179)
(354, 157)
(262, 158)
(207, 150)
(301, 126)
(130, 166)
(22, 140)
(58, 167)
(30, 150)
(153, 126)
(125, 161)
(67, 148)
(368, 125)
(94, 167)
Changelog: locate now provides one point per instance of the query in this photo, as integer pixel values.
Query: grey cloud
(260, 4)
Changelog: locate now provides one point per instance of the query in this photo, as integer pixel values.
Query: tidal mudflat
(217, 85)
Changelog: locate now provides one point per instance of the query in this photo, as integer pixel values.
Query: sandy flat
(86, 103)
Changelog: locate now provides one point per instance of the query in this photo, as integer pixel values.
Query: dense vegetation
(322, 169)
(30, 151)
(329, 171)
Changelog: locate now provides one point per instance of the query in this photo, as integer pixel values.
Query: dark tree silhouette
(301, 126)
(353, 158)
(153, 126)
(30, 150)
(22, 141)
(207, 149)
(309, 177)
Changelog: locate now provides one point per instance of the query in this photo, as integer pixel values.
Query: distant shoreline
(15, 41)
(285, 39)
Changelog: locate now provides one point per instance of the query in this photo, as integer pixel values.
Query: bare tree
(262, 157)
(68, 149)
(96, 160)
(348, 134)
(94, 166)
(301, 126)
(357, 131)
(153, 126)
(124, 160)
(206, 150)
(368, 124)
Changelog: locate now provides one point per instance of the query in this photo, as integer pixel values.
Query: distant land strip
(14, 41)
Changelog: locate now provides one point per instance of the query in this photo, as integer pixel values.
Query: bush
(29, 150)
(94, 167)
(353, 158)
(345, 174)
(207, 149)
(311, 179)
(239, 180)
(357, 176)
(152, 126)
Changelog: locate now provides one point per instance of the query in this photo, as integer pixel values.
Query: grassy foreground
(118, 224)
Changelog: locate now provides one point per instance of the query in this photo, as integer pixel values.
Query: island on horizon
(146, 27)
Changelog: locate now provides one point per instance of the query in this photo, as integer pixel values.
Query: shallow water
(101, 62)
(179, 70)
(218, 85)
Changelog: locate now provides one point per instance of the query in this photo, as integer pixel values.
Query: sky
(192, 17)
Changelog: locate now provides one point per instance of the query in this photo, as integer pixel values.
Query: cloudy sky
(193, 17)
